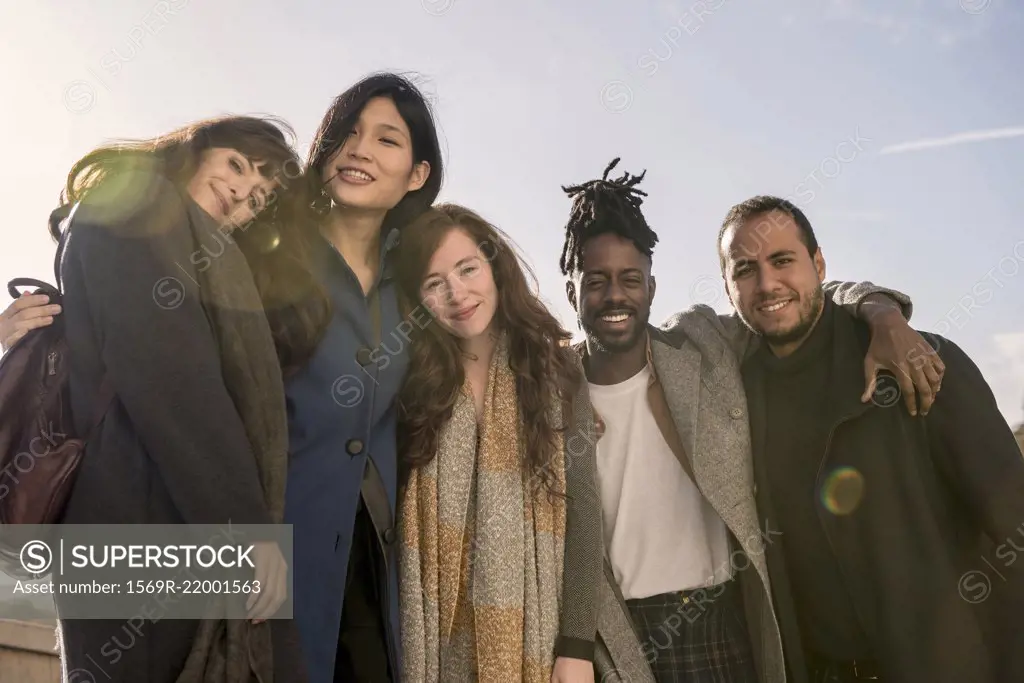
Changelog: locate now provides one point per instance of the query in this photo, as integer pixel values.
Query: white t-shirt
(662, 535)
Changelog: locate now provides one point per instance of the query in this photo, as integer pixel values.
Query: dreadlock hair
(602, 206)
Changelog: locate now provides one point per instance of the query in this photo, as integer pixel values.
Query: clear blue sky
(719, 100)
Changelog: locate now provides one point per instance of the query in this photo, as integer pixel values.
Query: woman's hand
(569, 670)
(272, 573)
(25, 313)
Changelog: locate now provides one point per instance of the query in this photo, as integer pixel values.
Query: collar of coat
(581, 349)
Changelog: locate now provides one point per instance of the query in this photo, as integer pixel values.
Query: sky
(896, 125)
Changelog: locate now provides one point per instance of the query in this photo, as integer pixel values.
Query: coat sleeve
(583, 569)
(974, 446)
(160, 356)
(848, 295)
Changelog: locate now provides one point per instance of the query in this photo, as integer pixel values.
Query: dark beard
(807, 320)
(595, 341)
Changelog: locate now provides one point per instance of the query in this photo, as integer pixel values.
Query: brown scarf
(236, 650)
(481, 558)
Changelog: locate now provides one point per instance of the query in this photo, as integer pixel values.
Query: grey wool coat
(697, 355)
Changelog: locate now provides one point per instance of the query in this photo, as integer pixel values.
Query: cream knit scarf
(481, 558)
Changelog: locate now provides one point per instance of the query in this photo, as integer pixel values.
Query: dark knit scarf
(236, 650)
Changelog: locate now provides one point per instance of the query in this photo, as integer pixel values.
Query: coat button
(389, 535)
(736, 413)
(354, 446)
(363, 356)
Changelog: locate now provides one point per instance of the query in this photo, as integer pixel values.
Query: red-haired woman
(500, 522)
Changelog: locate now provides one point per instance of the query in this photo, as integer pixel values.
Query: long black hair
(342, 117)
(297, 305)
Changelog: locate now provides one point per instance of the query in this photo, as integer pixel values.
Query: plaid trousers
(696, 636)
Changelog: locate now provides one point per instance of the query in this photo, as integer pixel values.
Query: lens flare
(842, 491)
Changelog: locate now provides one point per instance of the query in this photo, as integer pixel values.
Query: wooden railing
(28, 652)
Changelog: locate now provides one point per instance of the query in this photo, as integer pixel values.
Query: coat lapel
(678, 371)
(684, 371)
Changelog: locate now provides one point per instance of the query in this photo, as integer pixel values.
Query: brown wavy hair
(544, 364)
(261, 138)
(275, 243)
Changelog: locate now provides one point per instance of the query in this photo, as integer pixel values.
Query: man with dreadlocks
(674, 463)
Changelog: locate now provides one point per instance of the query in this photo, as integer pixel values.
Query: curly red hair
(544, 364)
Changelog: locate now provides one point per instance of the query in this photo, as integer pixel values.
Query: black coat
(926, 554)
(172, 448)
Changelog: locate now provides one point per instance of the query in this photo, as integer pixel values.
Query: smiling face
(613, 293)
(459, 288)
(374, 167)
(772, 279)
(229, 186)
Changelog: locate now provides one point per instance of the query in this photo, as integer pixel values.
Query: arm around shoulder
(853, 295)
(861, 299)
(701, 320)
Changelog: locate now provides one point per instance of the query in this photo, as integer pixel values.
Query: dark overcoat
(171, 448)
(930, 553)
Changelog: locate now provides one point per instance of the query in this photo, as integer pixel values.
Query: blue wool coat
(342, 418)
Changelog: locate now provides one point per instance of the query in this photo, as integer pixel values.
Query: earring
(322, 203)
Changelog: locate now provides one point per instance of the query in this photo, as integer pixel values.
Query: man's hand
(25, 313)
(897, 347)
(272, 573)
(569, 670)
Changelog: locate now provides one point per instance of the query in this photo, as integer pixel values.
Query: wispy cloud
(957, 139)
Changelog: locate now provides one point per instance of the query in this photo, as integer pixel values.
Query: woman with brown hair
(499, 520)
(167, 339)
